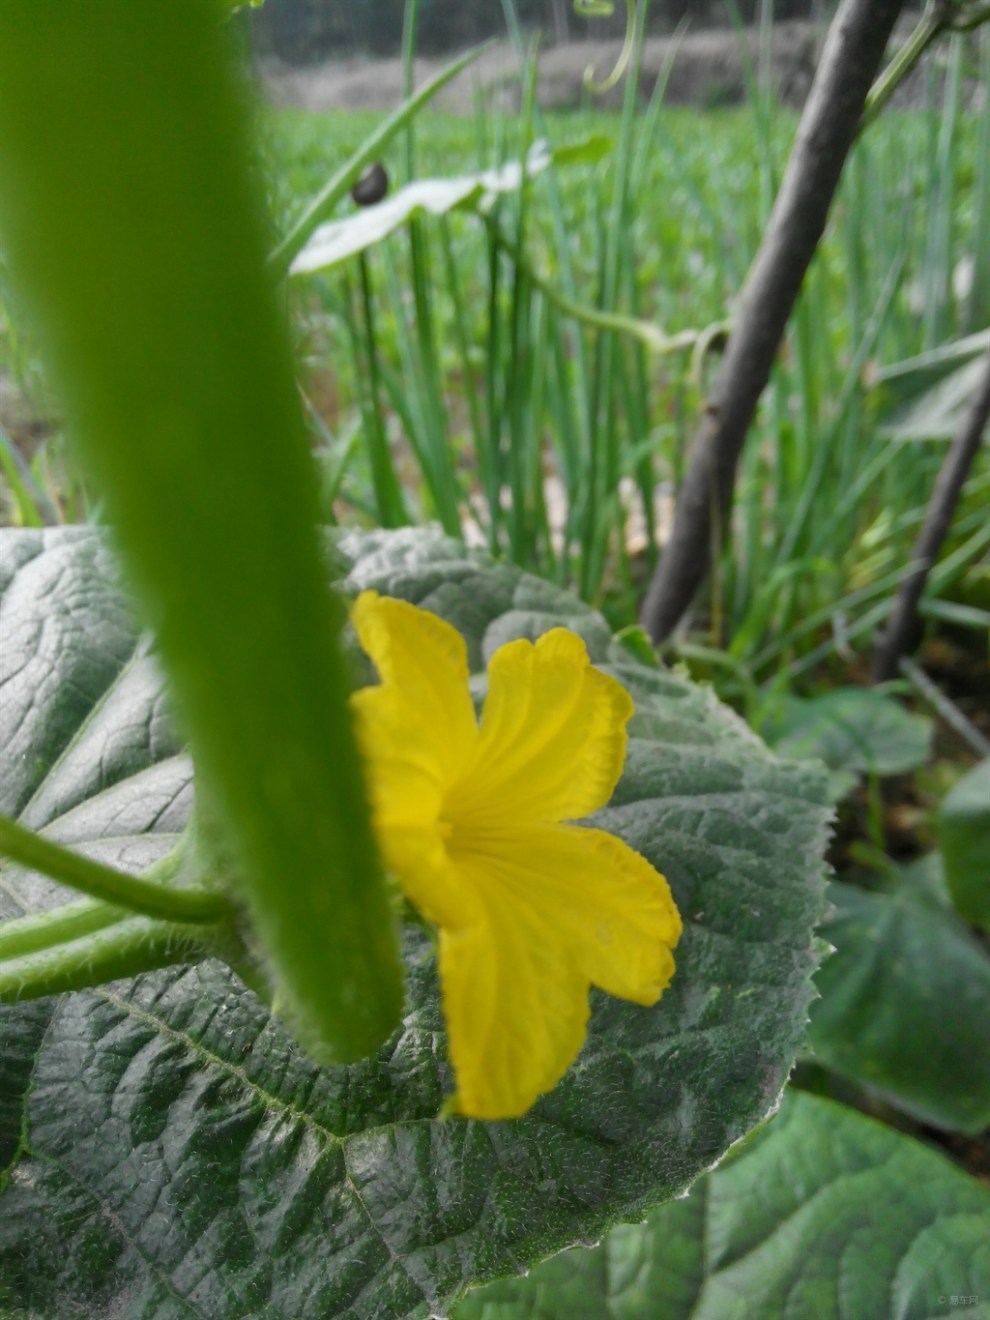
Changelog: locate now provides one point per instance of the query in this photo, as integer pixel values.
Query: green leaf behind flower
(855, 731)
(168, 1150)
(964, 839)
(788, 1227)
(905, 998)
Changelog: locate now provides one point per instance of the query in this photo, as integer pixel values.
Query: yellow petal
(418, 859)
(422, 661)
(516, 1013)
(405, 784)
(562, 908)
(590, 892)
(405, 772)
(553, 736)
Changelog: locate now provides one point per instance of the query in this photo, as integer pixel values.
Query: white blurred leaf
(340, 239)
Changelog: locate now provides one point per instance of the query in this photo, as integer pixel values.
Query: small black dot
(372, 185)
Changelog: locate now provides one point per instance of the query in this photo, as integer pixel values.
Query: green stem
(144, 271)
(61, 925)
(967, 22)
(388, 492)
(122, 949)
(647, 333)
(933, 22)
(13, 468)
(102, 882)
(622, 63)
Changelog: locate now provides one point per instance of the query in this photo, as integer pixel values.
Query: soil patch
(706, 68)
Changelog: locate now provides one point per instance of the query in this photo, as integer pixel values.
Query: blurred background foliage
(307, 30)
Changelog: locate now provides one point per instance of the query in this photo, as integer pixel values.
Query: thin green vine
(108, 885)
(605, 9)
(939, 16)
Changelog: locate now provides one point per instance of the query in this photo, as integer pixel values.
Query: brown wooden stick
(853, 52)
(900, 635)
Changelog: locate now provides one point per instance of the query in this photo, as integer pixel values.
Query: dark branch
(852, 55)
(900, 635)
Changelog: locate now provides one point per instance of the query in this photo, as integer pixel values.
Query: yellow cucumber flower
(531, 912)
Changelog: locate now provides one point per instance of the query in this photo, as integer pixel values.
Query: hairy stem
(104, 883)
(119, 950)
(61, 925)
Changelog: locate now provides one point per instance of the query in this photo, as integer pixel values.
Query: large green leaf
(964, 838)
(170, 1152)
(824, 1215)
(855, 731)
(925, 397)
(905, 998)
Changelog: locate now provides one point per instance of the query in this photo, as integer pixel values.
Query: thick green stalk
(130, 221)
